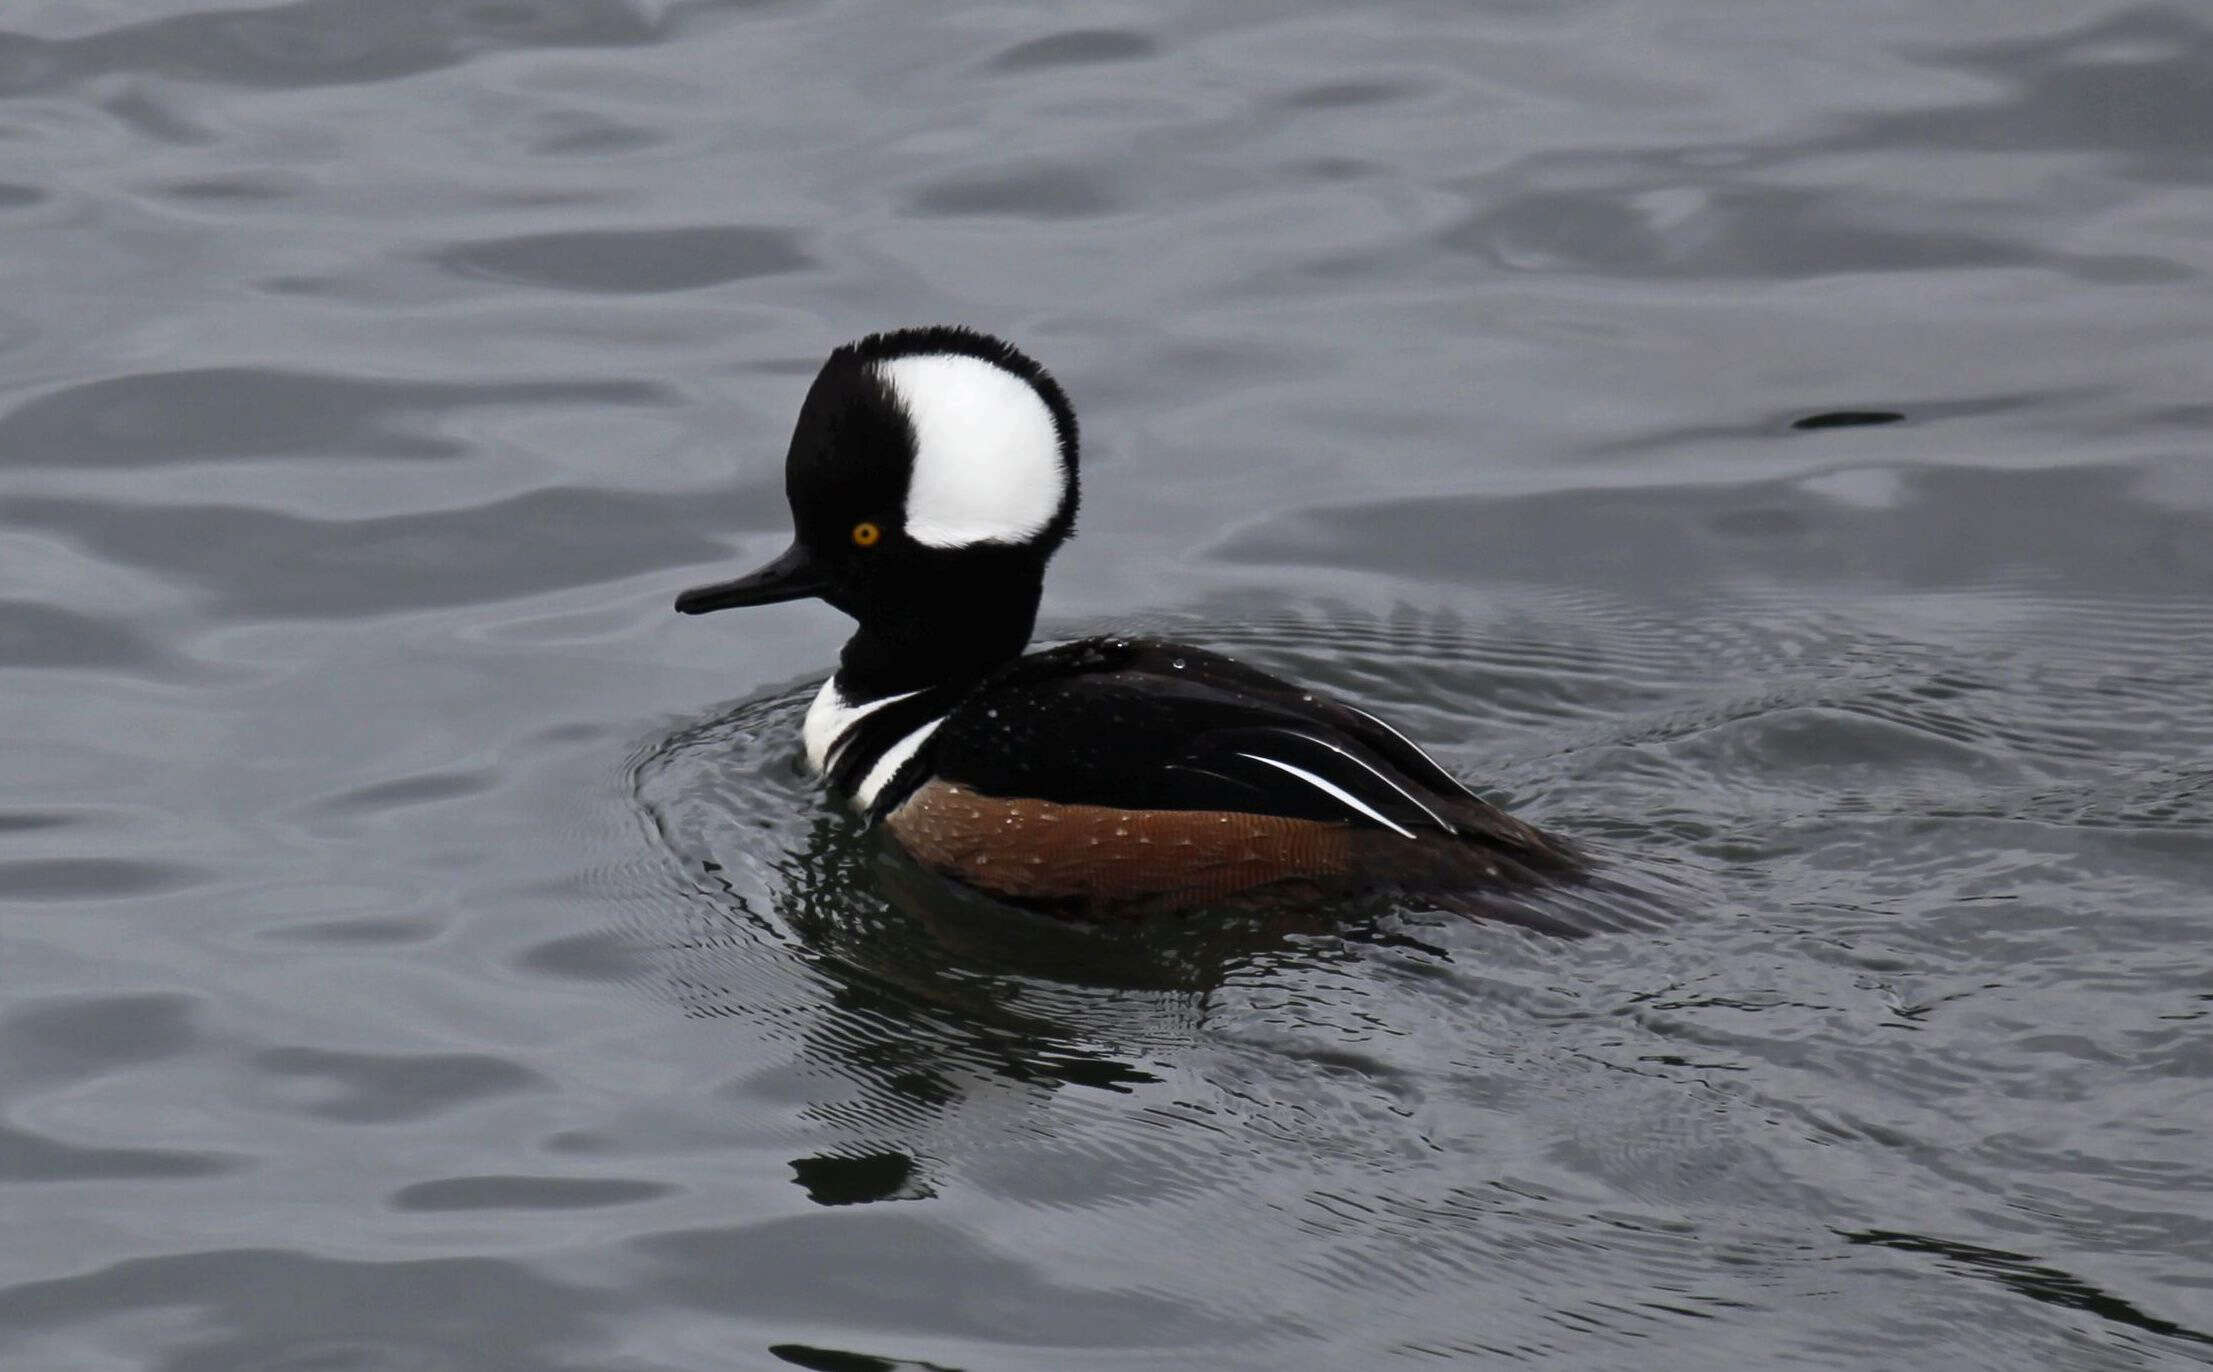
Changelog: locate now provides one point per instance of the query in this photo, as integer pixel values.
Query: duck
(932, 476)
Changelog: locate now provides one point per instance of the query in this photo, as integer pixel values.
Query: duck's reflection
(932, 1024)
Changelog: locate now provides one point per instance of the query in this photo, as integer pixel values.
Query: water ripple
(411, 965)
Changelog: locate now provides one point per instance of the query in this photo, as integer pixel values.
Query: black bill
(792, 576)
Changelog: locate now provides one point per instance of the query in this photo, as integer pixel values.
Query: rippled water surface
(419, 948)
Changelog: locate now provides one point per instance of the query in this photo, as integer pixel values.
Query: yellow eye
(866, 534)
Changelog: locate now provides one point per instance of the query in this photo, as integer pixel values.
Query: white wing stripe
(1385, 728)
(1386, 780)
(1331, 789)
(1419, 751)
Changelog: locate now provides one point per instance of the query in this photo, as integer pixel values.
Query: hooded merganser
(932, 475)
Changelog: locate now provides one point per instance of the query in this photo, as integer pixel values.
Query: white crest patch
(987, 466)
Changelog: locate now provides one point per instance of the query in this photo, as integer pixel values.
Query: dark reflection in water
(2033, 1279)
(2132, 84)
(638, 260)
(1899, 530)
(1846, 419)
(239, 412)
(258, 562)
(1673, 226)
(270, 1308)
(324, 42)
(859, 1180)
(1076, 47)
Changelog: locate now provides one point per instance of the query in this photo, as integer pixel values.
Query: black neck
(958, 637)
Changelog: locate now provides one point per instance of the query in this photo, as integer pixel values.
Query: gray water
(419, 950)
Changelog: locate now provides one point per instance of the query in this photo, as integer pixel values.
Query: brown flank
(1102, 859)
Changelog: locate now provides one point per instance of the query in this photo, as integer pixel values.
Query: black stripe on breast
(856, 751)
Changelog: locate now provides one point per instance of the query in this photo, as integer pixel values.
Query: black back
(1145, 725)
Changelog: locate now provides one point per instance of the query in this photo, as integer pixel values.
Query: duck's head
(932, 475)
